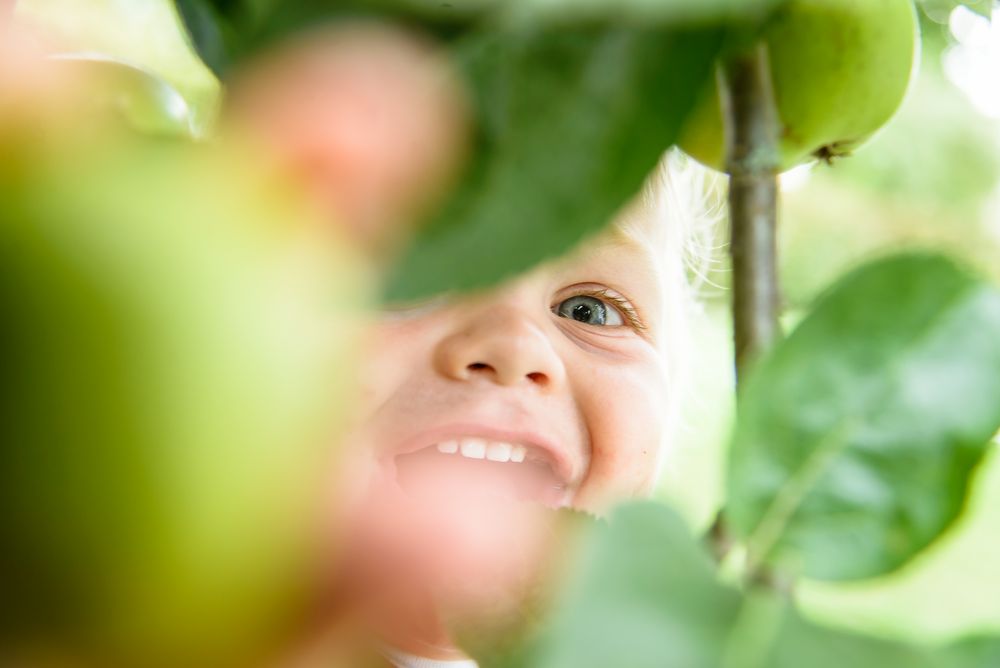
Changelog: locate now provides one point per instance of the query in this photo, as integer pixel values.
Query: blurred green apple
(177, 355)
(840, 70)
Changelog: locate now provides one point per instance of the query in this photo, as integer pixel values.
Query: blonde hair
(676, 214)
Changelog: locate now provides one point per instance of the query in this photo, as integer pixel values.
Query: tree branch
(753, 161)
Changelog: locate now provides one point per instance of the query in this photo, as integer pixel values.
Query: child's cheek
(394, 350)
(623, 408)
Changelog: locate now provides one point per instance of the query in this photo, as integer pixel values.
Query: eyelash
(628, 312)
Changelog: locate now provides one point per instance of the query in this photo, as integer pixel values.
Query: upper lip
(561, 462)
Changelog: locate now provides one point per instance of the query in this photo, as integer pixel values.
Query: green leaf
(209, 33)
(644, 592)
(570, 123)
(660, 12)
(801, 643)
(973, 652)
(770, 633)
(858, 434)
(226, 32)
(507, 634)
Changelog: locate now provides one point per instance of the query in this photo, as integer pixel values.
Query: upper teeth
(480, 448)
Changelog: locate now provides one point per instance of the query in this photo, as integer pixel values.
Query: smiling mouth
(475, 466)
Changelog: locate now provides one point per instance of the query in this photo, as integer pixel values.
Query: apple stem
(748, 110)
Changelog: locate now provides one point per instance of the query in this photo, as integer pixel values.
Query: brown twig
(751, 120)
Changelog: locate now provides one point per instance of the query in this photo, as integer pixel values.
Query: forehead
(634, 243)
(620, 249)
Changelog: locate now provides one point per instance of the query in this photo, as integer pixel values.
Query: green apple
(177, 355)
(840, 70)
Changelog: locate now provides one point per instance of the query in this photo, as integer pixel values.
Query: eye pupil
(585, 309)
(582, 313)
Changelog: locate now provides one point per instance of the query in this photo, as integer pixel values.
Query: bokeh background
(929, 179)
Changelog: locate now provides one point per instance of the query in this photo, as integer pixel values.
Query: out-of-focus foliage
(226, 32)
(639, 12)
(975, 652)
(646, 591)
(570, 123)
(568, 119)
(858, 434)
(795, 642)
(644, 594)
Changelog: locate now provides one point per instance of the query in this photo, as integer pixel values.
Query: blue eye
(589, 310)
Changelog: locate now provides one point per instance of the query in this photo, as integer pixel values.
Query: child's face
(560, 367)
(550, 389)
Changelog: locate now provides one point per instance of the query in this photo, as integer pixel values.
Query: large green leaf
(570, 122)
(227, 31)
(973, 652)
(858, 435)
(799, 643)
(661, 12)
(568, 119)
(643, 594)
(210, 32)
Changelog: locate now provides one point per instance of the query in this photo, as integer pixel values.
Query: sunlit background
(930, 179)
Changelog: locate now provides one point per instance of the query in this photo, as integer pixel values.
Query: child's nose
(501, 344)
